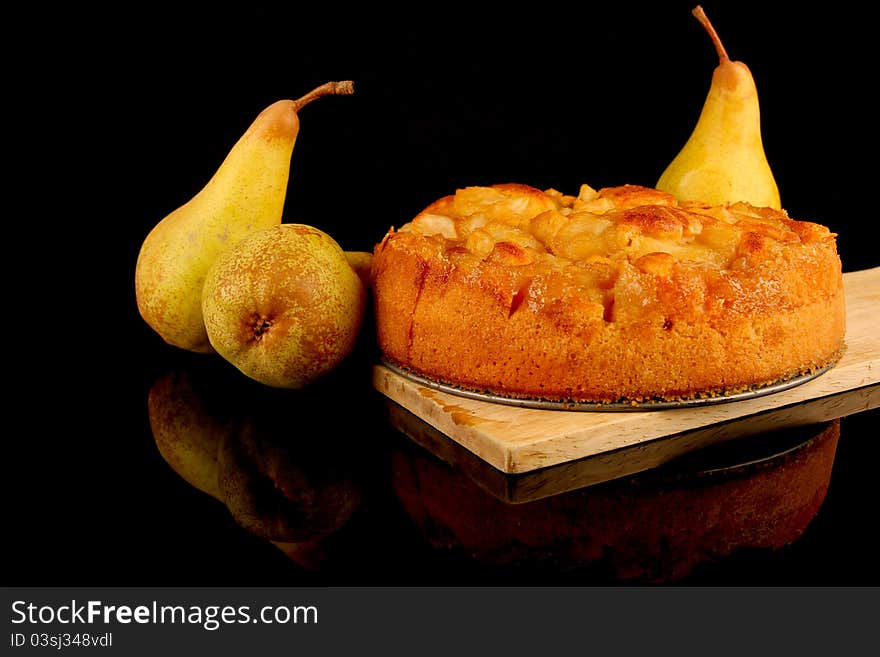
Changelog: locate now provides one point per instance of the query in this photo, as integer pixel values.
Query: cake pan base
(622, 406)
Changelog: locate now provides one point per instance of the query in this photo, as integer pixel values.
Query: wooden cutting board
(517, 440)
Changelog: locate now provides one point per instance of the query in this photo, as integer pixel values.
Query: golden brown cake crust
(620, 294)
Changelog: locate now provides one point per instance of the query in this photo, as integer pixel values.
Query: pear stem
(344, 88)
(704, 21)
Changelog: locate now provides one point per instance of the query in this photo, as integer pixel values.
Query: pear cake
(618, 295)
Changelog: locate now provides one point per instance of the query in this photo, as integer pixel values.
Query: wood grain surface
(517, 440)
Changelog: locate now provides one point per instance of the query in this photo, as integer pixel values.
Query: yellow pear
(723, 160)
(362, 263)
(245, 194)
(284, 305)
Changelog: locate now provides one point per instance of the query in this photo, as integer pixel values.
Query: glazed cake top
(516, 224)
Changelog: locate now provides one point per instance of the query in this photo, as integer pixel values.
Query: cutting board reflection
(516, 440)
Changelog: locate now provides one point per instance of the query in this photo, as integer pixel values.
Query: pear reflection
(258, 451)
(750, 496)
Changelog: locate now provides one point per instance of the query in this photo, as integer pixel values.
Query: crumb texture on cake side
(617, 294)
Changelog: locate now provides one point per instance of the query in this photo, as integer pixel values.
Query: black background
(124, 114)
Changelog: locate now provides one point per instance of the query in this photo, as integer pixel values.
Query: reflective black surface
(198, 476)
(127, 124)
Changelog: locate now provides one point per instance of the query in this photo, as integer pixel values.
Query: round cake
(618, 295)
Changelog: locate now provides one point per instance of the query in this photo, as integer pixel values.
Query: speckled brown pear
(245, 194)
(723, 160)
(284, 305)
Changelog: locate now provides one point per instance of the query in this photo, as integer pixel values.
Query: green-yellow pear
(284, 305)
(245, 194)
(723, 160)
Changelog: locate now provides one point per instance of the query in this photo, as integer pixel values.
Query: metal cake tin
(622, 406)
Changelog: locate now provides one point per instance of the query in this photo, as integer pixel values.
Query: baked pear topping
(519, 224)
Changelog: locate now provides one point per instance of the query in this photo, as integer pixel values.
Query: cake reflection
(749, 495)
(256, 450)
